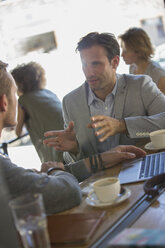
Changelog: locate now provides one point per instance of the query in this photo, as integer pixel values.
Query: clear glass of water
(30, 220)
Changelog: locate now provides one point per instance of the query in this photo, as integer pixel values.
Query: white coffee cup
(158, 138)
(107, 189)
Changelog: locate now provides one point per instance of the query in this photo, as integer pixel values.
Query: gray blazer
(60, 190)
(137, 100)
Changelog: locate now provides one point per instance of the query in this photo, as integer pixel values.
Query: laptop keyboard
(152, 165)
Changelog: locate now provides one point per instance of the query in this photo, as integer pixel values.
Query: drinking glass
(30, 220)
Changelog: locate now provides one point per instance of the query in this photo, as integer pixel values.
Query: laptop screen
(143, 168)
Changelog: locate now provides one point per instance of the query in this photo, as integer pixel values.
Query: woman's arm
(161, 84)
(20, 121)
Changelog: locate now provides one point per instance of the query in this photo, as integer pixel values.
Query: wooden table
(154, 217)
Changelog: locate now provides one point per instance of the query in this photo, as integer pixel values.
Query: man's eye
(96, 63)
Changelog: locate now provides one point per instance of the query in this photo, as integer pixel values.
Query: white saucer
(93, 201)
(86, 190)
(149, 146)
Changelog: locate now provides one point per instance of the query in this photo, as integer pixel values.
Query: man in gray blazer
(108, 109)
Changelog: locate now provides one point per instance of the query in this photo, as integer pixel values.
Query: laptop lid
(141, 169)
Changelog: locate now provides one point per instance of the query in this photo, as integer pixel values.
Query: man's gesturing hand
(63, 140)
(107, 126)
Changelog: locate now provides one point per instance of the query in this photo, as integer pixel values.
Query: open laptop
(143, 168)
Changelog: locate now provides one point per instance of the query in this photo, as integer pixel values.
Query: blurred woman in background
(137, 51)
(39, 109)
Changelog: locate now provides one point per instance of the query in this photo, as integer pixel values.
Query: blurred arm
(161, 84)
(20, 121)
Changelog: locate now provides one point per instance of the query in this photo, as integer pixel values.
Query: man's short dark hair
(5, 84)
(106, 40)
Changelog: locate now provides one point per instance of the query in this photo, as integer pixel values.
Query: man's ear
(115, 62)
(3, 103)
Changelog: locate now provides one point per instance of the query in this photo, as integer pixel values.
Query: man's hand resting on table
(63, 140)
(120, 154)
(109, 158)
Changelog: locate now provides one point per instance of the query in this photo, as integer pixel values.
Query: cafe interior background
(47, 31)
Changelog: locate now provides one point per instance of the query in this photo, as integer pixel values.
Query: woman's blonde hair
(138, 40)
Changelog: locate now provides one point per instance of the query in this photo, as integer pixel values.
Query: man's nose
(89, 71)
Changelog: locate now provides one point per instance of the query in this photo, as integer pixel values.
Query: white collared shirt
(99, 107)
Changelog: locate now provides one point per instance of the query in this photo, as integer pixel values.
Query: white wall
(71, 19)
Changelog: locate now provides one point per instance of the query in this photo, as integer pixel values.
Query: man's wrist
(122, 126)
(76, 150)
(52, 169)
